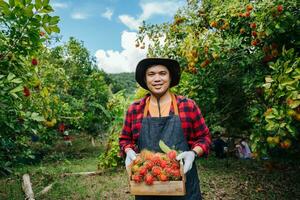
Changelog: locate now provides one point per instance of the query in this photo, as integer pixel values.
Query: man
(219, 145)
(161, 115)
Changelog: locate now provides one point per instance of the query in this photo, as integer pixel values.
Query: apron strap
(173, 101)
(146, 107)
(174, 104)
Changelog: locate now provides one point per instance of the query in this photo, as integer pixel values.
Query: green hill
(123, 81)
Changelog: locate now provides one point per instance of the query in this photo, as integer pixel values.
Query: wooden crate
(159, 188)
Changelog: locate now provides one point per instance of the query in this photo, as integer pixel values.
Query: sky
(108, 28)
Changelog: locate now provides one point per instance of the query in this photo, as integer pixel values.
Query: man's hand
(188, 158)
(130, 156)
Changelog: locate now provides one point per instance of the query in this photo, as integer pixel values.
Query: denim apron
(170, 131)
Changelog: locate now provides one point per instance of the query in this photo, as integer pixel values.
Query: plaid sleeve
(125, 138)
(200, 135)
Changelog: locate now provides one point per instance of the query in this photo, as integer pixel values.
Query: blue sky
(108, 27)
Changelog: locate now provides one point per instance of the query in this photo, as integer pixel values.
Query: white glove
(188, 158)
(130, 156)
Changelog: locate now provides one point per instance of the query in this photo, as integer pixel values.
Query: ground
(220, 179)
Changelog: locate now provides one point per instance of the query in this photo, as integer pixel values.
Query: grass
(220, 179)
(248, 179)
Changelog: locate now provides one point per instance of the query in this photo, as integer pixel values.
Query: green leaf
(47, 29)
(10, 76)
(275, 111)
(38, 4)
(14, 95)
(164, 147)
(290, 88)
(296, 77)
(5, 8)
(267, 85)
(295, 95)
(269, 79)
(270, 116)
(4, 5)
(270, 126)
(285, 83)
(44, 92)
(28, 11)
(254, 146)
(107, 114)
(55, 29)
(16, 80)
(28, 114)
(34, 131)
(290, 129)
(46, 19)
(47, 9)
(36, 117)
(11, 3)
(17, 89)
(54, 20)
(45, 2)
(269, 31)
(20, 3)
(282, 125)
(288, 70)
(281, 30)
(295, 104)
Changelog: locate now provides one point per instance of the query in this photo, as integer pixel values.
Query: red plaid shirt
(192, 122)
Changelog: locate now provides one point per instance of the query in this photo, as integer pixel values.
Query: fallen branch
(45, 190)
(26, 185)
(83, 173)
(93, 142)
(65, 117)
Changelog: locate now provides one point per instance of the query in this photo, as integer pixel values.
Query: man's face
(158, 79)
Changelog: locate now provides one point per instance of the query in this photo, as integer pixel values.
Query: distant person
(219, 145)
(67, 138)
(243, 150)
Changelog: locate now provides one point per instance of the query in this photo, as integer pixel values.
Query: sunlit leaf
(16, 80)
(38, 4)
(10, 76)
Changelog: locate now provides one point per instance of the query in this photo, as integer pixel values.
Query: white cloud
(158, 8)
(126, 60)
(121, 61)
(150, 9)
(130, 22)
(107, 14)
(58, 5)
(79, 15)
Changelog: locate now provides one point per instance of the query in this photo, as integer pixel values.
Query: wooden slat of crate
(168, 188)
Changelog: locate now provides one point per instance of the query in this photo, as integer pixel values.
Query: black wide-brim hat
(143, 65)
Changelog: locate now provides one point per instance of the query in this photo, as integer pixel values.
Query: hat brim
(143, 65)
